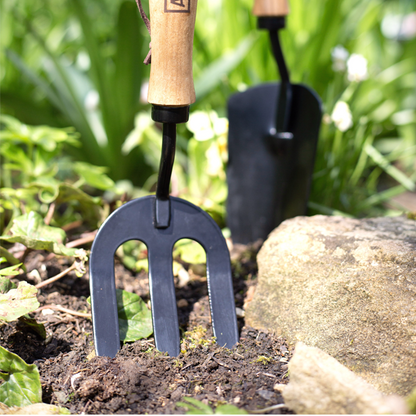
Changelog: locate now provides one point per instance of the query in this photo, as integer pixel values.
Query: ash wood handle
(172, 31)
(271, 8)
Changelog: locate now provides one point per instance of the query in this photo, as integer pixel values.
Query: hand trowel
(272, 141)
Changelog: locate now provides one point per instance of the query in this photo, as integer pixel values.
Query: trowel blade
(265, 187)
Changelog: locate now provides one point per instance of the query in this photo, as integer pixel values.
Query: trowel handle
(271, 8)
(172, 32)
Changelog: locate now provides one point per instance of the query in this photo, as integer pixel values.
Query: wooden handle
(271, 8)
(172, 32)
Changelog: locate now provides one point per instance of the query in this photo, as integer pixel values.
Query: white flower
(200, 124)
(341, 116)
(206, 125)
(339, 56)
(357, 67)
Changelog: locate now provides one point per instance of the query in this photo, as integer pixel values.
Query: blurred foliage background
(77, 65)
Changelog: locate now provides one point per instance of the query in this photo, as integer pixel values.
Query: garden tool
(272, 141)
(160, 220)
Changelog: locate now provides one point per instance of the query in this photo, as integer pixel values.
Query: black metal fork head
(160, 221)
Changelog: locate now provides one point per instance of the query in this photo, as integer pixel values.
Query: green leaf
(214, 73)
(21, 382)
(190, 251)
(26, 320)
(30, 230)
(34, 409)
(49, 189)
(18, 302)
(135, 320)
(8, 256)
(10, 271)
(195, 406)
(94, 175)
(229, 409)
(6, 284)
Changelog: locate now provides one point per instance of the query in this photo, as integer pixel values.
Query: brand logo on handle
(177, 6)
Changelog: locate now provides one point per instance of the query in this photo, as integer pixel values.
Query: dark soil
(141, 379)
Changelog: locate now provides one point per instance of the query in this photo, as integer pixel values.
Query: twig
(268, 409)
(50, 213)
(72, 225)
(55, 278)
(62, 309)
(88, 238)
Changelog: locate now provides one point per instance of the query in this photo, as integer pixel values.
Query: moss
(411, 401)
(262, 359)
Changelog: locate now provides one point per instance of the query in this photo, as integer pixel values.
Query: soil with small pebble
(140, 379)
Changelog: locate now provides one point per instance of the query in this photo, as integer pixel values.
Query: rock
(348, 287)
(319, 384)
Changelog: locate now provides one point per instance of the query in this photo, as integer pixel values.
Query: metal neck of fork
(169, 117)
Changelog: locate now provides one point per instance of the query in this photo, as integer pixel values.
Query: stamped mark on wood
(177, 6)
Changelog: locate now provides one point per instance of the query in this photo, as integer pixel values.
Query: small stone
(182, 303)
(47, 312)
(279, 387)
(266, 394)
(239, 312)
(61, 397)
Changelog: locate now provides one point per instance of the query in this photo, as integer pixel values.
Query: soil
(140, 379)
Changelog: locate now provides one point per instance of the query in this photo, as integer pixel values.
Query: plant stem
(268, 409)
(55, 278)
(62, 309)
(88, 238)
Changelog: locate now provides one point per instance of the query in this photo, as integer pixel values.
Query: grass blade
(214, 73)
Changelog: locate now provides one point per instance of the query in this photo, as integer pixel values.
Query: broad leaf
(31, 231)
(94, 175)
(21, 382)
(190, 252)
(135, 320)
(18, 302)
(34, 409)
(5, 283)
(26, 320)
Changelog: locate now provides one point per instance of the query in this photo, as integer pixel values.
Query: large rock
(319, 384)
(348, 287)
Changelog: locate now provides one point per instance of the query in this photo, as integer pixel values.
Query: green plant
(16, 302)
(96, 89)
(134, 318)
(195, 407)
(7, 271)
(264, 360)
(54, 64)
(411, 401)
(35, 174)
(21, 382)
(20, 386)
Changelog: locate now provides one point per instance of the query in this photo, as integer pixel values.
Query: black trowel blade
(266, 186)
